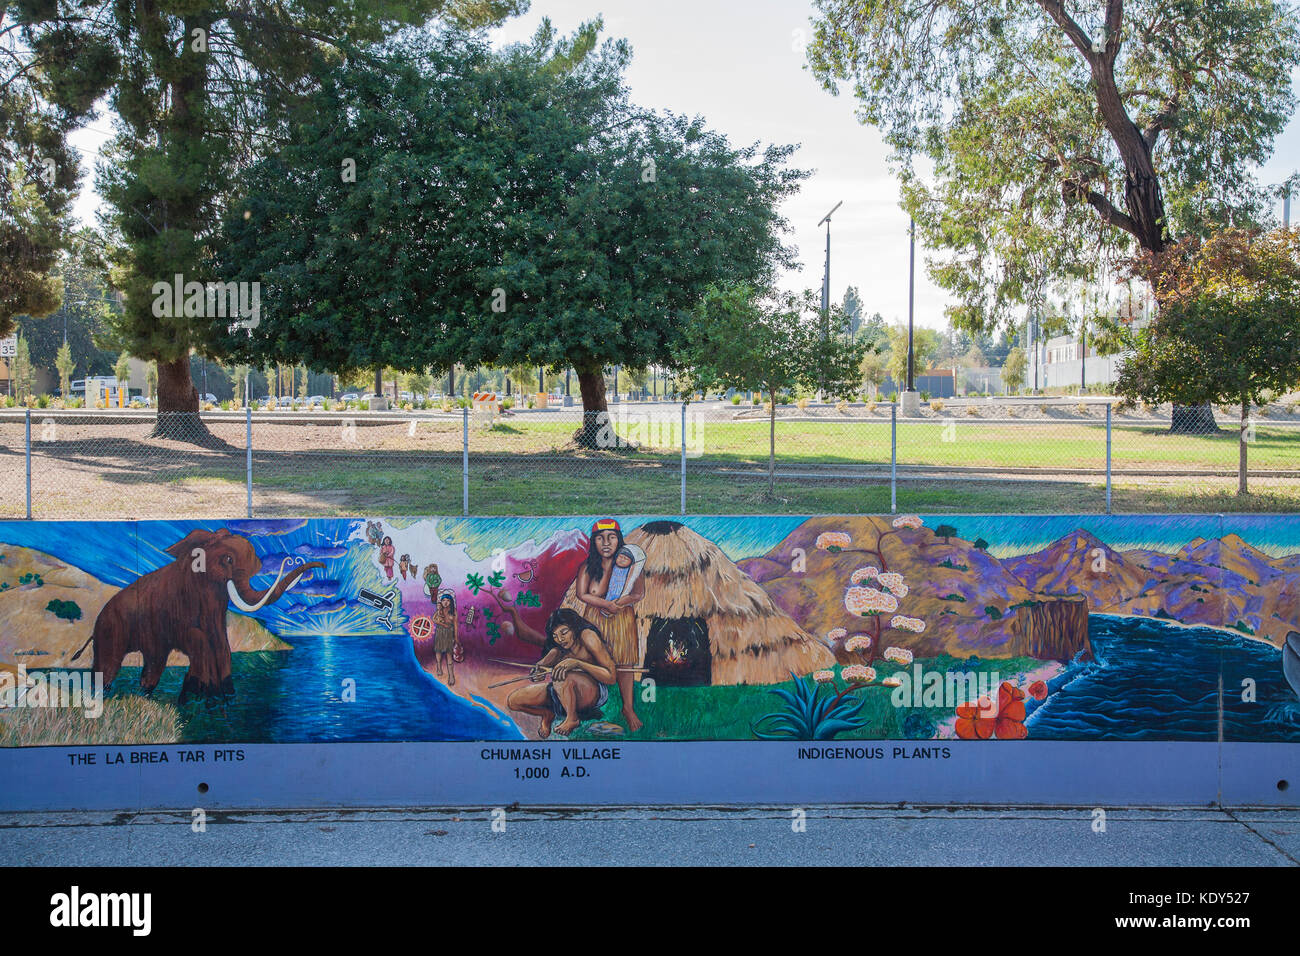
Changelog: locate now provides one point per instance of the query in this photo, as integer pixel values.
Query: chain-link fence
(965, 455)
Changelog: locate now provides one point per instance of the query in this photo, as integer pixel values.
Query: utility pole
(910, 400)
(826, 282)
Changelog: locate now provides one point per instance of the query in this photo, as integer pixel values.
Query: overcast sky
(738, 63)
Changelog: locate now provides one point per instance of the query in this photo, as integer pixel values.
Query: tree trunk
(771, 449)
(595, 413)
(1193, 420)
(379, 380)
(178, 406)
(1241, 444)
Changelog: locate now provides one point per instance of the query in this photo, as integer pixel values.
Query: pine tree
(198, 90)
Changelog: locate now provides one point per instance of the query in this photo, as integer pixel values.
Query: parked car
(349, 397)
(285, 401)
(265, 400)
(317, 401)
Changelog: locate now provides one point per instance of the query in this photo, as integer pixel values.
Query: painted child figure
(628, 563)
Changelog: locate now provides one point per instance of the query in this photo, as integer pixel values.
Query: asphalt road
(659, 836)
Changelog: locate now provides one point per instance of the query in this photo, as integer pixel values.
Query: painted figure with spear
(571, 680)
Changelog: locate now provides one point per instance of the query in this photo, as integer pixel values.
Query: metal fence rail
(649, 457)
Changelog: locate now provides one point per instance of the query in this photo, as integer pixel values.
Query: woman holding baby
(608, 586)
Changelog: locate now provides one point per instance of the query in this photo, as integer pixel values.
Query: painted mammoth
(182, 606)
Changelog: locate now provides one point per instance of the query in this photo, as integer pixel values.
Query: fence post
(464, 462)
(683, 458)
(28, 418)
(248, 454)
(1108, 407)
(893, 458)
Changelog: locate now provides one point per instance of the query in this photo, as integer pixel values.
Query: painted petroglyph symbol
(380, 602)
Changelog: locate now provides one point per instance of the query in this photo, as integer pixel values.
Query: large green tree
(509, 208)
(54, 65)
(199, 88)
(1061, 133)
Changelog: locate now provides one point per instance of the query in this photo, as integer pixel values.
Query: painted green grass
(730, 713)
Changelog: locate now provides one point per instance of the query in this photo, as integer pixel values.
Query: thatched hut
(705, 621)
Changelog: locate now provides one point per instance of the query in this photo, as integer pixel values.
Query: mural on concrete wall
(994, 628)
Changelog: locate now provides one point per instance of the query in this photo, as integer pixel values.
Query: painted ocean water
(297, 696)
(1153, 680)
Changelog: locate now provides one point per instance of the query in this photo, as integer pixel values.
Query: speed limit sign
(9, 347)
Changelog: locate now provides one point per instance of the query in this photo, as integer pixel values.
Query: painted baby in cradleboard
(629, 561)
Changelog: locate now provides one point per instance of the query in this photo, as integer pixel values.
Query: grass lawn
(567, 487)
(729, 713)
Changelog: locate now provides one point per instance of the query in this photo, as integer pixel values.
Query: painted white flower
(893, 680)
(894, 582)
(835, 635)
(864, 574)
(863, 601)
(858, 674)
(858, 642)
(904, 623)
(908, 521)
(833, 539)
(823, 677)
(899, 655)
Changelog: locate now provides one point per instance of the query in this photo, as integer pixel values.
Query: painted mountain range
(969, 602)
(1221, 582)
(953, 598)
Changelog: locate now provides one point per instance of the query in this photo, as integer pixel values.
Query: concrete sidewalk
(659, 836)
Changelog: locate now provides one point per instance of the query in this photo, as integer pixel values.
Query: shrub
(802, 404)
(925, 396)
(735, 399)
(842, 407)
(1012, 411)
(993, 612)
(936, 405)
(783, 399)
(1081, 408)
(972, 410)
(1042, 409)
(508, 403)
(871, 408)
(43, 401)
(67, 610)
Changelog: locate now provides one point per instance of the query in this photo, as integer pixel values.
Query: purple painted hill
(963, 599)
(1223, 582)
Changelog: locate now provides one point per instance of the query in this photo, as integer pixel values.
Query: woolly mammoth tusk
(243, 605)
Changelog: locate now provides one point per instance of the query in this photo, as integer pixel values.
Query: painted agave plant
(808, 714)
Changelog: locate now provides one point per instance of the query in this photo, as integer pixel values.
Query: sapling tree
(767, 342)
